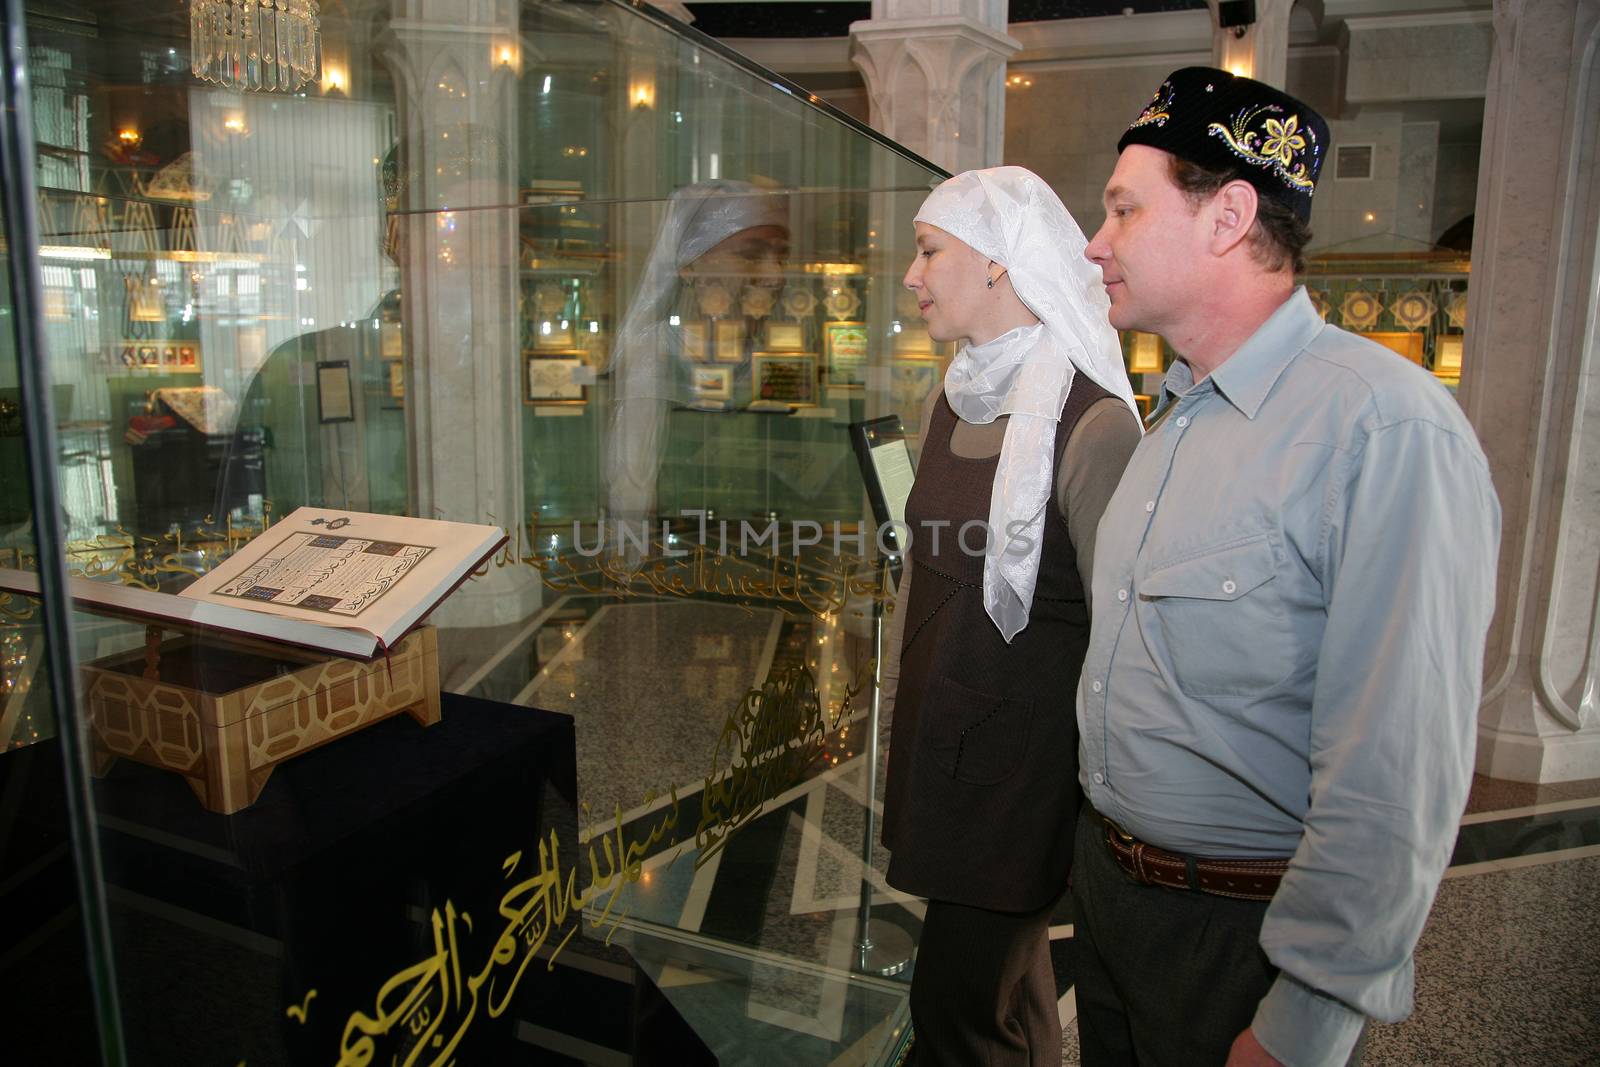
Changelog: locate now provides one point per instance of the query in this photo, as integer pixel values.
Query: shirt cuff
(1303, 1028)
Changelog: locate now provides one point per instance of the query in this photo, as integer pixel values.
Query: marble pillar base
(1527, 386)
(1526, 757)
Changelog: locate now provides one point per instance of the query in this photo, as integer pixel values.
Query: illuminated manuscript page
(375, 573)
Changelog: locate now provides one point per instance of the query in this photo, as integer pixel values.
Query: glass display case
(564, 267)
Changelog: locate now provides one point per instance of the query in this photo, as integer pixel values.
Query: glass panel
(44, 967)
(1412, 300)
(564, 268)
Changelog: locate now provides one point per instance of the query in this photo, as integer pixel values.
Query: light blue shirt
(1292, 588)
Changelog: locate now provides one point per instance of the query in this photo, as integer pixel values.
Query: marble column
(1260, 50)
(455, 67)
(1529, 386)
(935, 73)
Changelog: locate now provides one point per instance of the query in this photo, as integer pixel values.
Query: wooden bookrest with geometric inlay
(224, 712)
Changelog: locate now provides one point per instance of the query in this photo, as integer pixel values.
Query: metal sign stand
(884, 949)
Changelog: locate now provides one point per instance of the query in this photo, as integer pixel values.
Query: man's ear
(1232, 214)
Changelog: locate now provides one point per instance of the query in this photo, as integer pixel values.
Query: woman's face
(950, 281)
(753, 256)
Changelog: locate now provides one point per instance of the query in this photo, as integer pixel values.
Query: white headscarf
(1011, 216)
(645, 356)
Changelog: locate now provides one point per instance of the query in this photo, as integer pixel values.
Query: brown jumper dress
(982, 790)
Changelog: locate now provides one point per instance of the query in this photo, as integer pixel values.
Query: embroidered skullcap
(1224, 122)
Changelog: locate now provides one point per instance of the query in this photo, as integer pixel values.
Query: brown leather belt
(1148, 865)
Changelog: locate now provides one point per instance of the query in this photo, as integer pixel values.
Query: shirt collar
(1246, 377)
(1178, 381)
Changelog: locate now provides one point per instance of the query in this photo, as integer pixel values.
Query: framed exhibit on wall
(785, 336)
(165, 355)
(1447, 356)
(335, 399)
(144, 301)
(784, 378)
(728, 342)
(844, 350)
(912, 341)
(693, 337)
(397, 379)
(1402, 343)
(555, 380)
(1144, 354)
(710, 382)
(554, 335)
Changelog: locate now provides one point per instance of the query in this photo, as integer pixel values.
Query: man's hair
(1277, 239)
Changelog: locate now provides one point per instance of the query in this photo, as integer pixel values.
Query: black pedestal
(373, 872)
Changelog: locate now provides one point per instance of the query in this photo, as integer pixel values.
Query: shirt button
(1228, 586)
(1122, 594)
(1099, 779)
(1096, 686)
(1149, 505)
(1181, 421)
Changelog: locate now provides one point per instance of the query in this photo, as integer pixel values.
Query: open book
(345, 582)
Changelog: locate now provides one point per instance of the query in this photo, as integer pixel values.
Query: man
(1293, 585)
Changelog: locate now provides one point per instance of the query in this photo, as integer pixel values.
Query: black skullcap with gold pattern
(1222, 121)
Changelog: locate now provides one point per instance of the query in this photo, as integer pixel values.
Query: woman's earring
(990, 285)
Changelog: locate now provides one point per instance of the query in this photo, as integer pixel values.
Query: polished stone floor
(756, 946)
(1508, 968)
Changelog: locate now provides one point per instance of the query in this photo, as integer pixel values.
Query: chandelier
(254, 44)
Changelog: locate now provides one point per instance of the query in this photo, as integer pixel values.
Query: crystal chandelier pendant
(259, 45)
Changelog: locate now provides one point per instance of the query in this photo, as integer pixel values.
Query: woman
(730, 233)
(1025, 441)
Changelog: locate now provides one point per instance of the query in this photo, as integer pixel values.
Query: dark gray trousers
(1164, 977)
(984, 992)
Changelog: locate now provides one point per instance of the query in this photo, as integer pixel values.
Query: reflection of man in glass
(323, 454)
(721, 243)
(333, 455)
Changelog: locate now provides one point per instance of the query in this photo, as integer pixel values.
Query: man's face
(1150, 246)
(949, 279)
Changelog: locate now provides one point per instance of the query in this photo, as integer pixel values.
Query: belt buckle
(1134, 846)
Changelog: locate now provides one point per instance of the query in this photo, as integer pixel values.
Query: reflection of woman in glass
(721, 243)
(1022, 447)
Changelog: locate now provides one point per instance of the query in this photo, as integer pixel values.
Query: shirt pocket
(1222, 620)
(977, 738)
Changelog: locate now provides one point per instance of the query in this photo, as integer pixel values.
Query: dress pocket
(977, 738)
(1222, 621)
